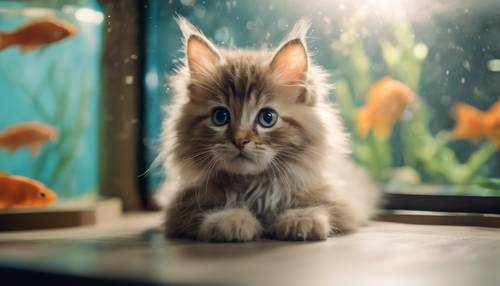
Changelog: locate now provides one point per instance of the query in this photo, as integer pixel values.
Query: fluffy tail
(366, 197)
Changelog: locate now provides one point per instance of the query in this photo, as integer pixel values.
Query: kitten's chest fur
(264, 195)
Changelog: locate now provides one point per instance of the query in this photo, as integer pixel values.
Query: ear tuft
(299, 30)
(187, 29)
(201, 55)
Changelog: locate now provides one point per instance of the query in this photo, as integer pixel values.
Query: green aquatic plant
(72, 128)
(427, 156)
(353, 62)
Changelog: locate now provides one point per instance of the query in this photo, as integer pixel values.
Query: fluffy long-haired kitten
(252, 147)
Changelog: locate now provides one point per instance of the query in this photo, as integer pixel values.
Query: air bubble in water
(222, 34)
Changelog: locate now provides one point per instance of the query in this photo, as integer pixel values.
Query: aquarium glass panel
(416, 82)
(49, 83)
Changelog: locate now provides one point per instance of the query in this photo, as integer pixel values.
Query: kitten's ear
(290, 61)
(201, 55)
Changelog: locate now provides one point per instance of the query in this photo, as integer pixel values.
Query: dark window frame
(442, 203)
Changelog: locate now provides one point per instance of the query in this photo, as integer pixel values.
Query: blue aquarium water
(56, 85)
(446, 52)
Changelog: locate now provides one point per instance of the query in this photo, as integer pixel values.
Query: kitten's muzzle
(242, 156)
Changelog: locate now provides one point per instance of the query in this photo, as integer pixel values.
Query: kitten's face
(243, 123)
(247, 111)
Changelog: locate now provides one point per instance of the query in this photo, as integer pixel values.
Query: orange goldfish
(491, 124)
(385, 102)
(32, 134)
(17, 191)
(472, 123)
(469, 122)
(37, 34)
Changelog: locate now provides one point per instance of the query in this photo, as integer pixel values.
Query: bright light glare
(390, 10)
(494, 65)
(89, 16)
(390, 6)
(152, 79)
(420, 51)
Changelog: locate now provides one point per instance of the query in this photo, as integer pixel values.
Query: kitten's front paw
(230, 225)
(302, 224)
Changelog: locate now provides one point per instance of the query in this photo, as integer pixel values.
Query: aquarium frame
(443, 203)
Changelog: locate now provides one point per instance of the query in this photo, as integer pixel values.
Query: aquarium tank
(417, 82)
(49, 79)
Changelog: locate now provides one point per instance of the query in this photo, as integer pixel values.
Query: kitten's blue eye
(220, 116)
(267, 117)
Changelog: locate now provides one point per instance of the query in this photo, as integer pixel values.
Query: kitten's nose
(241, 137)
(240, 143)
